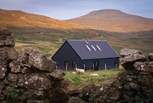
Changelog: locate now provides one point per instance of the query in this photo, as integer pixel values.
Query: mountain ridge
(107, 20)
(114, 21)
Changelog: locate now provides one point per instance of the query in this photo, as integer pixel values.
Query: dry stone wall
(133, 85)
(28, 76)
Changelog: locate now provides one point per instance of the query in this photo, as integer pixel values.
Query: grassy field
(83, 79)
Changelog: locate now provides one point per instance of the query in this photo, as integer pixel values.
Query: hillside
(13, 18)
(48, 34)
(49, 40)
(115, 21)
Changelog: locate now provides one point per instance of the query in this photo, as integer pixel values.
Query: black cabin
(86, 54)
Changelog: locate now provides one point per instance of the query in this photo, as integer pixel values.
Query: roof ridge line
(84, 40)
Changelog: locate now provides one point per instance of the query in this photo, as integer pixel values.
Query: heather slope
(115, 21)
(15, 18)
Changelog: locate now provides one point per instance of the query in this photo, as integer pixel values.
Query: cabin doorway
(96, 65)
(66, 64)
(69, 65)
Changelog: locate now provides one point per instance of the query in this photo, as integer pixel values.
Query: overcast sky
(65, 9)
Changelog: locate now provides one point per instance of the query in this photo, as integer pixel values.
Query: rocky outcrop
(76, 100)
(6, 38)
(144, 67)
(28, 76)
(36, 59)
(130, 56)
(133, 85)
(150, 56)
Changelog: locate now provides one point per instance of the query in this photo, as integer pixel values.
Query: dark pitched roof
(92, 49)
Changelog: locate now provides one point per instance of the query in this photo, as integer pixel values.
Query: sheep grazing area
(79, 80)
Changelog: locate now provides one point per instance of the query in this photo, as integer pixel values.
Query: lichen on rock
(26, 77)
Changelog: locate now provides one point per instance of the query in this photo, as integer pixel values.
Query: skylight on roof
(87, 42)
(89, 49)
(98, 47)
(93, 47)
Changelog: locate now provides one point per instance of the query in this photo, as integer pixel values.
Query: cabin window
(93, 47)
(89, 49)
(98, 47)
(86, 42)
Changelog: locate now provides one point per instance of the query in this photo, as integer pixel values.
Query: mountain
(114, 21)
(14, 18)
(107, 20)
(48, 34)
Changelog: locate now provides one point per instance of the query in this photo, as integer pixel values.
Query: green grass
(80, 80)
